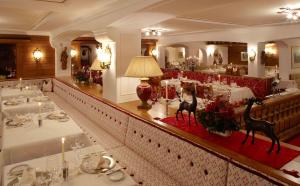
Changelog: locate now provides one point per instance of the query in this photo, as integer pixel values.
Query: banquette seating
(150, 154)
(261, 87)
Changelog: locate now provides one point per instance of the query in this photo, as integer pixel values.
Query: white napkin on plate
(28, 177)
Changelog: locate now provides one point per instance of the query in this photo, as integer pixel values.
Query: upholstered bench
(150, 154)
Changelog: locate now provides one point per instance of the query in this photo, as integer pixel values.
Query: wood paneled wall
(26, 66)
(234, 54)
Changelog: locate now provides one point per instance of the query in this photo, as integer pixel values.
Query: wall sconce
(104, 57)
(37, 55)
(154, 52)
(73, 53)
(210, 50)
(252, 55)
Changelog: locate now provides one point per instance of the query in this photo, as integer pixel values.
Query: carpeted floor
(295, 141)
(257, 151)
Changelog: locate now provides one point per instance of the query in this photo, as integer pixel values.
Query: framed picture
(296, 57)
(244, 56)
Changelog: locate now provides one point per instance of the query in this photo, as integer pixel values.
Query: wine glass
(53, 165)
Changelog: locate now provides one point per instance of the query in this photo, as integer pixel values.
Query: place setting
(13, 102)
(58, 116)
(17, 121)
(24, 174)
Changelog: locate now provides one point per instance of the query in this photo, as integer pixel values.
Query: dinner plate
(41, 99)
(12, 123)
(116, 176)
(11, 103)
(46, 176)
(57, 116)
(109, 163)
(18, 170)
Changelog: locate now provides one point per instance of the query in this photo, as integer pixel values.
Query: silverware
(109, 172)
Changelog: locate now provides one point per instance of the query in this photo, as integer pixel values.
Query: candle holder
(65, 170)
(27, 100)
(40, 121)
(167, 107)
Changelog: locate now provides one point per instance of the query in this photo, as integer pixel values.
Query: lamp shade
(143, 67)
(96, 65)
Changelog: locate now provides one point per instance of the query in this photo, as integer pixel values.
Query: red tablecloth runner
(256, 151)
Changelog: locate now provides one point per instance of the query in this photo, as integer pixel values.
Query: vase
(227, 133)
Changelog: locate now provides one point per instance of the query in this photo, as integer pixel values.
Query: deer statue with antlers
(190, 107)
(259, 125)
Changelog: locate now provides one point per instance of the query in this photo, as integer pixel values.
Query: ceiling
(211, 15)
(175, 17)
(49, 15)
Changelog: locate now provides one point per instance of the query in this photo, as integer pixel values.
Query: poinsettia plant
(218, 116)
(82, 76)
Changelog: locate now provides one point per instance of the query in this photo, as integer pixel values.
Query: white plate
(116, 176)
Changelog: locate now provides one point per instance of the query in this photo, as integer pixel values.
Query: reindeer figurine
(190, 107)
(259, 125)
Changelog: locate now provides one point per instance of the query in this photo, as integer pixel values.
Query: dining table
(114, 176)
(25, 137)
(13, 92)
(236, 93)
(14, 106)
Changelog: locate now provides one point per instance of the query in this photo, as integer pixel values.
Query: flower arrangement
(218, 116)
(82, 76)
(191, 62)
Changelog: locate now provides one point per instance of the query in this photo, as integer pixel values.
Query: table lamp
(143, 67)
(97, 67)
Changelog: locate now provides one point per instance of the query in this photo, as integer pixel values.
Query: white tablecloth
(30, 141)
(30, 107)
(7, 93)
(236, 93)
(79, 180)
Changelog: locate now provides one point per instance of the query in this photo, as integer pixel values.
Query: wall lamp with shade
(37, 55)
(210, 50)
(104, 57)
(73, 53)
(143, 67)
(252, 55)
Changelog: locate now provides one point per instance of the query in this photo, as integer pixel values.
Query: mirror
(175, 56)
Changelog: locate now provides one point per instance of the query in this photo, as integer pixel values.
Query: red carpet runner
(295, 141)
(256, 151)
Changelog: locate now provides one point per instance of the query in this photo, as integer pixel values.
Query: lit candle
(166, 90)
(40, 104)
(219, 76)
(63, 149)
(181, 90)
(90, 73)
(215, 65)
(276, 69)
(26, 87)
(20, 82)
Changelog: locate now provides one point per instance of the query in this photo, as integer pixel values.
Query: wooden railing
(284, 111)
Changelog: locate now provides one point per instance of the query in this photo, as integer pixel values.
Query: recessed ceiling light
(53, 1)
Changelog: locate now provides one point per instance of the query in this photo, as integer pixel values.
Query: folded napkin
(18, 120)
(96, 161)
(28, 177)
